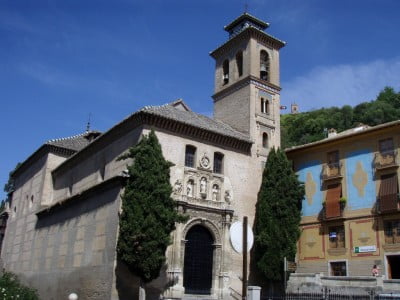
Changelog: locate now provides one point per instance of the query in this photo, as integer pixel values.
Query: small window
(239, 63)
(190, 154)
(264, 65)
(333, 158)
(225, 70)
(264, 106)
(218, 160)
(265, 140)
(338, 268)
(336, 237)
(386, 146)
(392, 231)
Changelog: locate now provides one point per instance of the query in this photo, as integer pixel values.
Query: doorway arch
(198, 262)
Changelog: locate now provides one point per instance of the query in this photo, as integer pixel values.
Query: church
(63, 219)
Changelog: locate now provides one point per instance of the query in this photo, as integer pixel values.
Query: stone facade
(63, 215)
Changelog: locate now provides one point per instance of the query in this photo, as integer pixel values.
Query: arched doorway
(198, 265)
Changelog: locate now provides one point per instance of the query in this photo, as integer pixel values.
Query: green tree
(148, 211)
(309, 126)
(278, 213)
(10, 185)
(11, 288)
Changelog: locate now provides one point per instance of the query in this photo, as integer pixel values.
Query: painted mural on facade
(310, 174)
(359, 178)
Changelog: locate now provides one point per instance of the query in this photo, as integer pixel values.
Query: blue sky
(63, 60)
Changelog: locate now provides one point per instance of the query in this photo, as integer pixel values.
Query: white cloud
(342, 84)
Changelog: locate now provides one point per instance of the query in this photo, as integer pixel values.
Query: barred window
(392, 231)
(336, 237)
(218, 162)
(190, 154)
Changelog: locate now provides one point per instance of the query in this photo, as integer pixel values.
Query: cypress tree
(148, 212)
(278, 213)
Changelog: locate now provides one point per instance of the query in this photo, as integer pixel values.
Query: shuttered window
(388, 193)
(392, 231)
(336, 237)
(332, 205)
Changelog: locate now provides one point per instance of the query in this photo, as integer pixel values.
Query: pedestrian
(375, 271)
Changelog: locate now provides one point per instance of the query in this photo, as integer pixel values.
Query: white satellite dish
(236, 236)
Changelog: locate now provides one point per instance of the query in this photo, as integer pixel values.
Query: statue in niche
(189, 188)
(177, 187)
(215, 192)
(228, 196)
(203, 185)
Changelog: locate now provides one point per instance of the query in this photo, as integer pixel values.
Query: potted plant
(342, 202)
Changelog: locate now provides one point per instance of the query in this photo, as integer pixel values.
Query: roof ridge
(66, 138)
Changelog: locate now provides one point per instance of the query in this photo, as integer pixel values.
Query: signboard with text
(364, 249)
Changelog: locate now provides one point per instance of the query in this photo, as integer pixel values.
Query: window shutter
(332, 201)
(388, 193)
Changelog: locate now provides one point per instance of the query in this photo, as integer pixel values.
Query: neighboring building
(63, 215)
(350, 214)
(294, 108)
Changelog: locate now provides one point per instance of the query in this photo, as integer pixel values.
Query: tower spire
(88, 123)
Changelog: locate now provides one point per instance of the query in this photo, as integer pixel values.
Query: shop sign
(363, 249)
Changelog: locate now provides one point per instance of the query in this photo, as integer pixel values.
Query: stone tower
(247, 88)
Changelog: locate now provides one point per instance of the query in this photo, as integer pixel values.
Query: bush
(11, 288)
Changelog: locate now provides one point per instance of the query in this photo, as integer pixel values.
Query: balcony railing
(334, 213)
(332, 171)
(388, 203)
(386, 159)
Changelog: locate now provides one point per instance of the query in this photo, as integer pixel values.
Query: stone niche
(200, 186)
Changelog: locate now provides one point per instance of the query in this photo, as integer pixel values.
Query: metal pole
(244, 248)
(284, 274)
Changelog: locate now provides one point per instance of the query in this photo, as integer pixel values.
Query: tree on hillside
(278, 213)
(148, 211)
(310, 126)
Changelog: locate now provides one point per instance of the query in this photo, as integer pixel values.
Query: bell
(263, 68)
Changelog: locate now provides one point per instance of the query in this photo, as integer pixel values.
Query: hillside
(307, 127)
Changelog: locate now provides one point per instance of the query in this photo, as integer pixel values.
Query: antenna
(246, 7)
(88, 123)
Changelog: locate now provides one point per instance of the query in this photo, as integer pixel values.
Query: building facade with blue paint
(350, 212)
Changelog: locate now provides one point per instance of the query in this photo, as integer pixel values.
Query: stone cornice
(187, 205)
(146, 119)
(242, 83)
(250, 32)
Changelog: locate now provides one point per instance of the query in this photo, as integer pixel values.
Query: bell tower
(247, 88)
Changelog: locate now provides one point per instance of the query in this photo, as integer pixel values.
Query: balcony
(388, 203)
(333, 212)
(385, 160)
(332, 171)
